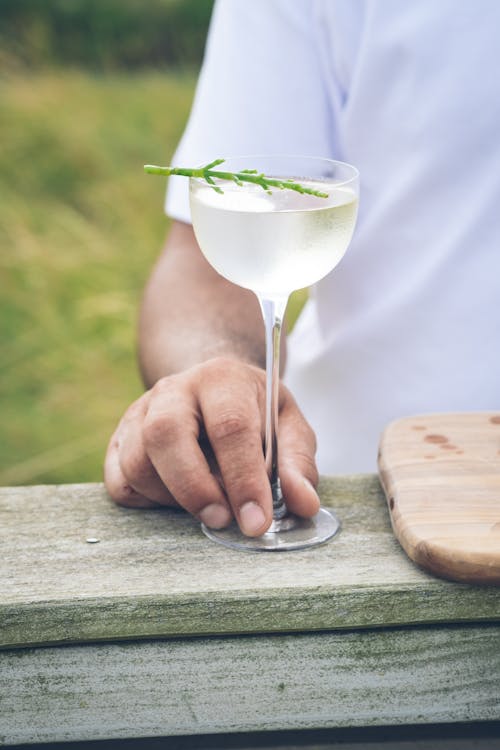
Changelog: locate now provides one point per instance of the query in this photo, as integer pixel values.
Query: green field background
(80, 224)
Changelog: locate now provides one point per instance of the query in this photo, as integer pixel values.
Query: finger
(232, 418)
(297, 465)
(135, 463)
(116, 483)
(171, 430)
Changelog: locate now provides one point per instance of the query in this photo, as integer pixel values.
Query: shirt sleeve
(260, 90)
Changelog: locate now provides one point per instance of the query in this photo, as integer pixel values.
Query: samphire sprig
(210, 174)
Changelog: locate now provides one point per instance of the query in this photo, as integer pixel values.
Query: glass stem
(273, 311)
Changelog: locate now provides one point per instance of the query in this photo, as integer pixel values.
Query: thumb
(297, 466)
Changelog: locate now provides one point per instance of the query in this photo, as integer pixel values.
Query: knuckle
(159, 429)
(222, 369)
(134, 411)
(219, 364)
(136, 466)
(168, 391)
(229, 425)
(163, 386)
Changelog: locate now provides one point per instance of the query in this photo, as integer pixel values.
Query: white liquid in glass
(273, 244)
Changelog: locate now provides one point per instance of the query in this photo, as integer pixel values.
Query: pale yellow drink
(273, 243)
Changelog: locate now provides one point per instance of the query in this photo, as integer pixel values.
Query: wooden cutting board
(441, 477)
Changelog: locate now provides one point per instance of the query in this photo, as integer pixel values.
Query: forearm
(190, 314)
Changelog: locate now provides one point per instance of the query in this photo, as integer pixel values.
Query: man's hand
(195, 440)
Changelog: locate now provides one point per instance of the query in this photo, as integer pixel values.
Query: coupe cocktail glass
(275, 243)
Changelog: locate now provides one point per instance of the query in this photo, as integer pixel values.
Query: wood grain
(154, 574)
(250, 683)
(202, 639)
(441, 475)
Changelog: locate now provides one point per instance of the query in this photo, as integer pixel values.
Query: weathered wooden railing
(153, 630)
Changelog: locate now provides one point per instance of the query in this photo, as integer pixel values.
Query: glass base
(291, 532)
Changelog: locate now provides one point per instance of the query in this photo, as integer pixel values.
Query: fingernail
(215, 516)
(252, 518)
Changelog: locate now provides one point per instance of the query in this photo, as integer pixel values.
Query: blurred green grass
(80, 227)
(103, 35)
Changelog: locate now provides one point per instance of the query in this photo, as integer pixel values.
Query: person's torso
(409, 320)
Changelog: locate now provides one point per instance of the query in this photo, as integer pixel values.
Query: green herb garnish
(209, 174)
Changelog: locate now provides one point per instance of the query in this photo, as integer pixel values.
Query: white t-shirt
(409, 322)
